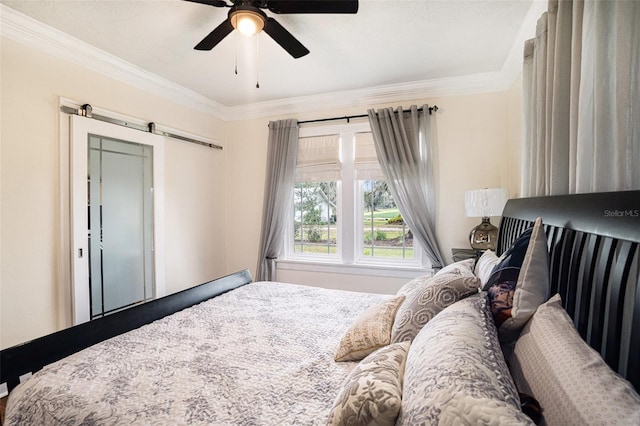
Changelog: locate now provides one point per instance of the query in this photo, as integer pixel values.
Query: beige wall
(213, 198)
(477, 147)
(34, 299)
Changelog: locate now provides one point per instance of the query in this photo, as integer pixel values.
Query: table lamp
(484, 203)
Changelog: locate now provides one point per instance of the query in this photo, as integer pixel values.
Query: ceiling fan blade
(215, 36)
(313, 6)
(216, 3)
(284, 38)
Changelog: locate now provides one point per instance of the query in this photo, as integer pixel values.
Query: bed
(442, 350)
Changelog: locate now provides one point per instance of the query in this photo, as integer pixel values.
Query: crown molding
(393, 93)
(26, 30)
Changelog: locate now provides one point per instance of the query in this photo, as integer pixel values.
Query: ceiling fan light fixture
(249, 22)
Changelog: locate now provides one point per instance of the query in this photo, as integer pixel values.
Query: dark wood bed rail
(31, 356)
(594, 264)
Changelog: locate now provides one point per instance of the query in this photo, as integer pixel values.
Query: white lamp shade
(485, 202)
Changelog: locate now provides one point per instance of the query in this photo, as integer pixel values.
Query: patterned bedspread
(261, 354)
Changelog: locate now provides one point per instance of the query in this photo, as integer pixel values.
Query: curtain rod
(86, 111)
(432, 109)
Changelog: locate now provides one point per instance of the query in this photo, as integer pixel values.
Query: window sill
(352, 269)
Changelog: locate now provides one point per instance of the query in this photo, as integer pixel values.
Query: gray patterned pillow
(462, 267)
(456, 373)
(577, 386)
(372, 392)
(429, 298)
(370, 331)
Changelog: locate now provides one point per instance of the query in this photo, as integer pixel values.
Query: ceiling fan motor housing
(247, 17)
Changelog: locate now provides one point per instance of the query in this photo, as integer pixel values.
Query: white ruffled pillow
(485, 266)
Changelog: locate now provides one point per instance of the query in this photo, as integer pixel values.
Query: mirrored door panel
(120, 224)
(117, 199)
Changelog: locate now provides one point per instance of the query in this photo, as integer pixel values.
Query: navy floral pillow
(501, 298)
(501, 284)
(510, 263)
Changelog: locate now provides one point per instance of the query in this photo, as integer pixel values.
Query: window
(385, 235)
(315, 217)
(343, 211)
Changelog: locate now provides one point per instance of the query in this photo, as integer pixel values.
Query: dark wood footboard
(32, 356)
(594, 264)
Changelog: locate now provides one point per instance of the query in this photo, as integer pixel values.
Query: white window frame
(349, 257)
(289, 248)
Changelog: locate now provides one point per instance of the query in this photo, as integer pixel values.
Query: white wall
(478, 146)
(35, 297)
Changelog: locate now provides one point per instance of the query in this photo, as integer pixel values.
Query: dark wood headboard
(594, 264)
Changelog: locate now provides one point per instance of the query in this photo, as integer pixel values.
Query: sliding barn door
(117, 186)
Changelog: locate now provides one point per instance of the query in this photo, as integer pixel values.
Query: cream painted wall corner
(34, 298)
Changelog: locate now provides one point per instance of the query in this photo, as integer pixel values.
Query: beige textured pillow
(370, 331)
(413, 284)
(569, 378)
(372, 393)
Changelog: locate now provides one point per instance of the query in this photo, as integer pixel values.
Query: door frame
(80, 128)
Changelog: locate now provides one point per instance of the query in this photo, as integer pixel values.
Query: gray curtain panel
(581, 99)
(404, 143)
(281, 167)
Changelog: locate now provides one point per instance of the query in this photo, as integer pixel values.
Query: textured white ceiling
(386, 42)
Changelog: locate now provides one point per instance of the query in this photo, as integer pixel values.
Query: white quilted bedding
(259, 355)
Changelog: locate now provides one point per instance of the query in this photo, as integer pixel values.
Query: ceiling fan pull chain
(235, 36)
(257, 62)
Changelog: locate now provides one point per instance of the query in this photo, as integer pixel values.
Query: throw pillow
(413, 284)
(372, 393)
(456, 373)
(516, 290)
(424, 302)
(462, 267)
(569, 378)
(370, 331)
(508, 267)
(485, 266)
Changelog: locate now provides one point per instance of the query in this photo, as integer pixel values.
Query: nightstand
(459, 254)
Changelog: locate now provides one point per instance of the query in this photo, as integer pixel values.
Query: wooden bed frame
(594, 265)
(593, 243)
(32, 356)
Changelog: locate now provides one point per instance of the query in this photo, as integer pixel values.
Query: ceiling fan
(249, 19)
